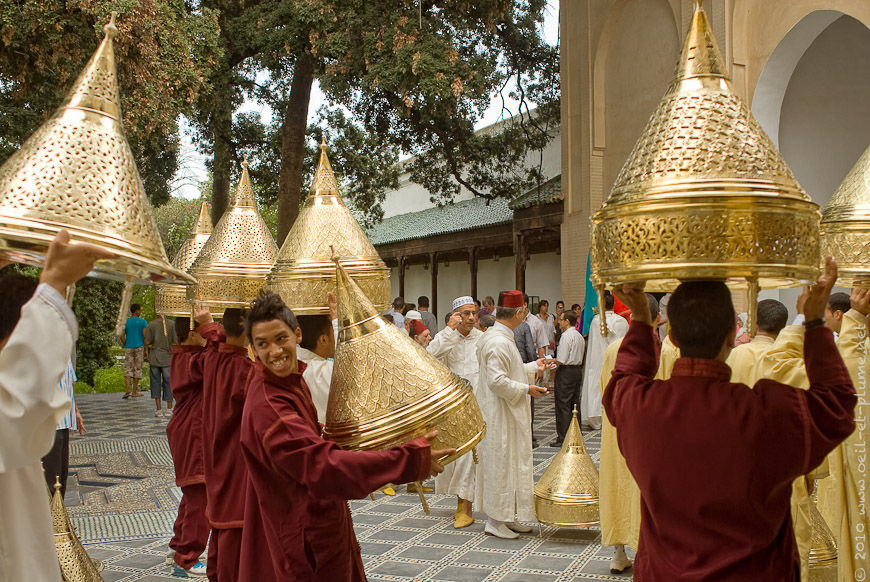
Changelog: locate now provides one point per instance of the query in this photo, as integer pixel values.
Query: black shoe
(556, 443)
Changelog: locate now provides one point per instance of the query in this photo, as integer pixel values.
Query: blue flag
(591, 299)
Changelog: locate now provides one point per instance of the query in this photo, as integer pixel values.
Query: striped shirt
(67, 384)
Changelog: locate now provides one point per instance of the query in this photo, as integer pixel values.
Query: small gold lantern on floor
(566, 495)
(171, 300)
(304, 271)
(75, 564)
(846, 226)
(705, 194)
(387, 390)
(232, 266)
(823, 549)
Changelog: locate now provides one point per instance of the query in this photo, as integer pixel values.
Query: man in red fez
(297, 523)
(505, 475)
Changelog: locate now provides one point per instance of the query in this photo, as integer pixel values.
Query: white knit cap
(413, 314)
(460, 301)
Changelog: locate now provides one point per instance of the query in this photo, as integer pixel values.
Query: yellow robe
(783, 361)
(849, 460)
(619, 496)
(745, 360)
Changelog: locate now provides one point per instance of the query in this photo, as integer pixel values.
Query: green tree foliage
(163, 52)
(96, 305)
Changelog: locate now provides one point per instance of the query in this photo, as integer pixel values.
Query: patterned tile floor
(123, 500)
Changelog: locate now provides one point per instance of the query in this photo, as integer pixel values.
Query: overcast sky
(192, 163)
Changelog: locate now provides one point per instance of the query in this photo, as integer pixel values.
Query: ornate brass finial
(324, 183)
(109, 29)
(244, 189)
(323, 143)
(245, 162)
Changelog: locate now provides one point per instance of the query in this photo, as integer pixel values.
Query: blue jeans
(160, 384)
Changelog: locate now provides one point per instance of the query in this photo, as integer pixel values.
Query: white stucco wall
(411, 197)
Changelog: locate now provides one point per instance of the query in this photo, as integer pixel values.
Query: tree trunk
(222, 128)
(293, 145)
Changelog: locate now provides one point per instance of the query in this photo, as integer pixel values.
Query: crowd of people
(708, 452)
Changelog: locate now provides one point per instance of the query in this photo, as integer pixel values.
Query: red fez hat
(512, 299)
(417, 327)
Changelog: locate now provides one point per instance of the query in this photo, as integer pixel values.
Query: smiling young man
(297, 522)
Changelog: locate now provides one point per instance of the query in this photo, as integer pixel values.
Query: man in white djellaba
(505, 476)
(456, 347)
(590, 405)
(33, 357)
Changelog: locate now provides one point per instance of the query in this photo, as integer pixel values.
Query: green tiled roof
(456, 217)
(459, 216)
(549, 191)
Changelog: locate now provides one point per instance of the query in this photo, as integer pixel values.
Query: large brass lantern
(567, 493)
(846, 226)
(232, 266)
(704, 194)
(304, 271)
(77, 172)
(386, 389)
(171, 300)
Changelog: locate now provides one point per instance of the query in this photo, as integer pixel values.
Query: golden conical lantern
(705, 194)
(304, 271)
(75, 564)
(387, 389)
(823, 548)
(77, 172)
(567, 493)
(846, 226)
(171, 300)
(232, 266)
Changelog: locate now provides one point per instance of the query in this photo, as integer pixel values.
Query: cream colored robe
(618, 493)
(459, 353)
(848, 496)
(31, 405)
(505, 476)
(784, 362)
(617, 327)
(745, 359)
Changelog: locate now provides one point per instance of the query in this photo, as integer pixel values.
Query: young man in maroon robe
(226, 371)
(184, 432)
(714, 460)
(297, 522)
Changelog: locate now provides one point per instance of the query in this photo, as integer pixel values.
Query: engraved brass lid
(704, 194)
(304, 271)
(77, 172)
(171, 300)
(75, 564)
(845, 229)
(232, 266)
(567, 493)
(387, 390)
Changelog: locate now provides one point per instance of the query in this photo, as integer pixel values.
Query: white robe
(459, 353)
(617, 327)
(32, 403)
(505, 478)
(318, 376)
